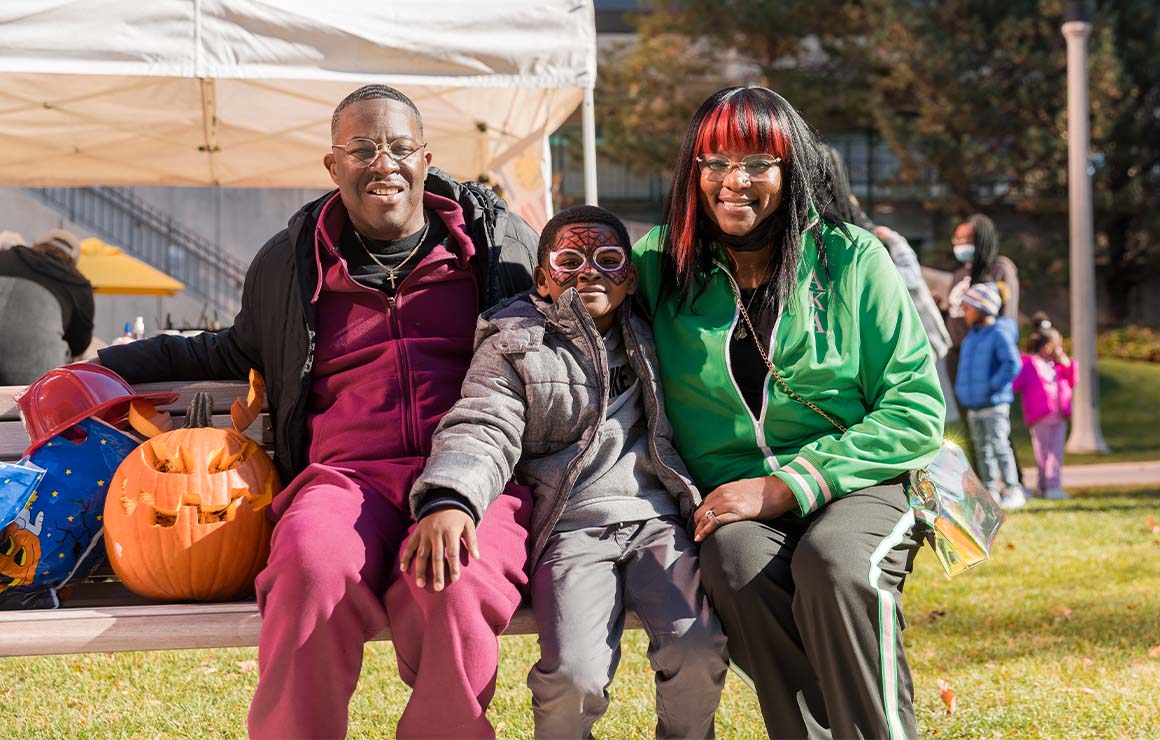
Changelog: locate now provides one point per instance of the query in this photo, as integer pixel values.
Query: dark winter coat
(71, 289)
(274, 331)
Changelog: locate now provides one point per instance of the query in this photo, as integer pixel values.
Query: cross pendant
(391, 277)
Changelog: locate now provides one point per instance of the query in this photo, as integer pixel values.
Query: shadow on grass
(1060, 629)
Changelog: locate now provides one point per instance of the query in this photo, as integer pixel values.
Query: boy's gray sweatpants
(581, 587)
(812, 609)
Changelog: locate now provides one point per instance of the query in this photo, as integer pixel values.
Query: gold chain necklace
(392, 270)
(741, 332)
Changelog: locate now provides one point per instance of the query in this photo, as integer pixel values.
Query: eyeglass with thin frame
(756, 167)
(364, 152)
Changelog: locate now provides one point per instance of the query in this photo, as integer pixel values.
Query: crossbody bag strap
(769, 363)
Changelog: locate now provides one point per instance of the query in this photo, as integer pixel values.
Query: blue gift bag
(59, 530)
(18, 481)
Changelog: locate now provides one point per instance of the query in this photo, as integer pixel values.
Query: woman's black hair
(755, 119)
(840, 206)
(986, 247)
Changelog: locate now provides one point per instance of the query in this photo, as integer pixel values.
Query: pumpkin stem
(199, 415)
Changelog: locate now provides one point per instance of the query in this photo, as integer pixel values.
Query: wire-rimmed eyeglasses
(756, 167)
(364, 152)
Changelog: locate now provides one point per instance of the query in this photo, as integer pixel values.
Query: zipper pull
(391, 301)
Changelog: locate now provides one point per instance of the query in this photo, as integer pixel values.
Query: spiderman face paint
(584, 247)
(590, 259)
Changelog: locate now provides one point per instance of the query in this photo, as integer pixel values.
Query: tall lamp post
(1085, 417)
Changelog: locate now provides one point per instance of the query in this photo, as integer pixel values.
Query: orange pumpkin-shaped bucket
(185, 517)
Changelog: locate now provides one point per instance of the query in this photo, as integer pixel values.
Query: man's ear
(331, 165)
(541, 278)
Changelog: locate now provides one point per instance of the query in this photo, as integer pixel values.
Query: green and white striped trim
(888, 629)
(807, 484)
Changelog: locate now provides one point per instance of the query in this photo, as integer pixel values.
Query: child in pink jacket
(1045, 383)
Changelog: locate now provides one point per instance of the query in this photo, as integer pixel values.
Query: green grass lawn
(1129, 402)
(1050, 639)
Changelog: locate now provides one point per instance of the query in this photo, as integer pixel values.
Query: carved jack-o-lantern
(185, 517)
(19, 554)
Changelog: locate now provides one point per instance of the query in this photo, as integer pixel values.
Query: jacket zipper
(410, 425)
(410, 434)
(572, 473)
(758, 422)
(653, 407)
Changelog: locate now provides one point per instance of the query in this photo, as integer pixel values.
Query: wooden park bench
(100, 615)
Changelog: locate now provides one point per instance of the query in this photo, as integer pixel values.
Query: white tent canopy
(240, 92)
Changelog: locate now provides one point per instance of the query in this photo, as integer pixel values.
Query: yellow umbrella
(110, 270)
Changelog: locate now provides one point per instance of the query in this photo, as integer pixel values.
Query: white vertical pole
(588, 122)
(1085, 419)
(546, 173)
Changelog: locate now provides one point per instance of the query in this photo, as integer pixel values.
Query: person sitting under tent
(47, 305)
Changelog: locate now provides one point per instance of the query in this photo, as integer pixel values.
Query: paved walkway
(1123, 474)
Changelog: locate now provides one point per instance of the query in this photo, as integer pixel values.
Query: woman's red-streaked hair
(740, 120)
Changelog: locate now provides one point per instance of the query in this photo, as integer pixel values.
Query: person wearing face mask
(802, 390)
(976, 247)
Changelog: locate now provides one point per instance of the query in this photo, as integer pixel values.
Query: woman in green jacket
(806, 533)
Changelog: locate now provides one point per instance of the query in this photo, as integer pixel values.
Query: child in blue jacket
(988, 363)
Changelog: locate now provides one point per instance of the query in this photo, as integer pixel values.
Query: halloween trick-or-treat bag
(19, 548)
(57, 535)
(68, 413)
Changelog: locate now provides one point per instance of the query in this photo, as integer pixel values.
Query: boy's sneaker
(1056, 494)
(1012, 498)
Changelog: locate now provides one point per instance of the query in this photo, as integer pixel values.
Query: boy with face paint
(564, 393)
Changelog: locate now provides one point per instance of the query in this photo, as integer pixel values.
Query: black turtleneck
(392, 253)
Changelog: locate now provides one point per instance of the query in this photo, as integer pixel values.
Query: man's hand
(437, 538)
(749, 498)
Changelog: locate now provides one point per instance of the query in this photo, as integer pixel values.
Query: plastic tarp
(241, 92)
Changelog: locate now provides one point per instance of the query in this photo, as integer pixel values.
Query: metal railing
(150, 234)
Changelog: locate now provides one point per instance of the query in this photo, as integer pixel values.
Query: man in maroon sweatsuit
(361, 316)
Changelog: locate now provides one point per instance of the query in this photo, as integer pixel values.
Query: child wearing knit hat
(988, 363)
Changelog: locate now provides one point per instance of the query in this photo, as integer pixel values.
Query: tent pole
(589, 125)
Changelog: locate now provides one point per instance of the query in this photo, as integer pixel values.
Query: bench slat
(157, 627)
(14, 439)
(224, 393)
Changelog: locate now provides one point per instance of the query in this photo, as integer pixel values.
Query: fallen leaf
(1086, 690)
(1062, 611)
(947, 694)
(248, 666)
(1154, 652)
(1010, 545)
(1152, 525)
(935, 615)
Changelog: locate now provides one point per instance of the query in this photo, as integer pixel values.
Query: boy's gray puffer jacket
(531, 404)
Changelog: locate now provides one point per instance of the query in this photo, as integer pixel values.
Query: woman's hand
(437, 538)
(749, 498)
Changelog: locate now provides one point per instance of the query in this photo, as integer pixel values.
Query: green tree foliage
(649, 90)
(1127, 183)
(970, 94)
